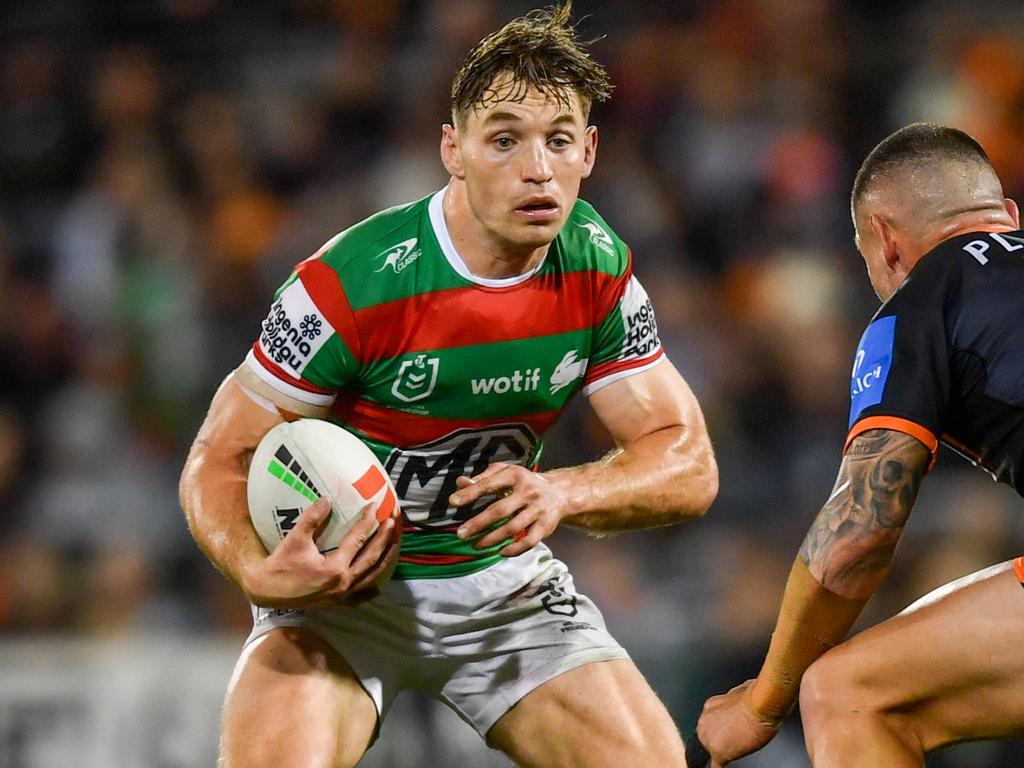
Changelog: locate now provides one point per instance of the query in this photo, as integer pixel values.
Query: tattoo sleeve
(850, 544)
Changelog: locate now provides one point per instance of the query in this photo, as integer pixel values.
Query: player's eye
(504, 142)
(559, 142)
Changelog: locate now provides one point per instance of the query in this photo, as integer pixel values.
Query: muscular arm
(662, 472)
(845, 556)
(213, 496)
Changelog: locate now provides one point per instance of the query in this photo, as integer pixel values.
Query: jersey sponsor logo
(399, 256)
(599, 236)
(416, 378)
(977, 248)
(294, 329)
(525, 380)
(424, 476)
(640, 326)
(568, 370)
(871, 366)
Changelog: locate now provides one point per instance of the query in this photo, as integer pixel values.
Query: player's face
(522, 163)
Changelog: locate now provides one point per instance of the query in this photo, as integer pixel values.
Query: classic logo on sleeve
(294, 330)
(399, 256)
(640, 326)
(871, 366)
(599, 237)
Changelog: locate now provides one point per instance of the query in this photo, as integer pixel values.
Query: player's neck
(484, 254)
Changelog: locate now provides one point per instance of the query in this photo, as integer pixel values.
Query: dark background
(164, 163)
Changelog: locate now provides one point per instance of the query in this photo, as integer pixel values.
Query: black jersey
(944, 357)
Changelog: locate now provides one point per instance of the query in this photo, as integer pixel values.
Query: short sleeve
(626, 338)
(308, 344)
(901, 374)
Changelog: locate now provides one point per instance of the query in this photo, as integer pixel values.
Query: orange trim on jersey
(907, 427)
(1018, 568)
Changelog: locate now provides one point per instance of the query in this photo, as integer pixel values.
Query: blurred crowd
(164, 163)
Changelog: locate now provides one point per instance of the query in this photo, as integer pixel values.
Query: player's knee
(827, 693)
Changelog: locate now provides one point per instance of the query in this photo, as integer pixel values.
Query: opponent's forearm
(845, 556)
(661, 478)
(811, 620)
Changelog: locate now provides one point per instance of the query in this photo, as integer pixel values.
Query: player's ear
(451, 151)
(589, 150)
(1014, 211)
(887, 240)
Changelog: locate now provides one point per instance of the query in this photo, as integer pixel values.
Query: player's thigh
(947, 669)
(293, 701)
(599, 715)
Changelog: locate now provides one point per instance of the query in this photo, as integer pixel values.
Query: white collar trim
(444, 238)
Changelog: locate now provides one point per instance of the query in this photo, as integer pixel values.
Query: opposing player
(943, 359)
(449, 333)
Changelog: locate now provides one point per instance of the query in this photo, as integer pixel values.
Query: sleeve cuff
(273, 379)
(907, 427)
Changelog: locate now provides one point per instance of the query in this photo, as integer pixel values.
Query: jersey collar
(444, 239)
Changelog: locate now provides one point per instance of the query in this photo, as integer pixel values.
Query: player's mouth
(540, 208)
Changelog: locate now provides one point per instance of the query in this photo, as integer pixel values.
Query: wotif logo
(525, 380)
(862, 382)
(399, 256)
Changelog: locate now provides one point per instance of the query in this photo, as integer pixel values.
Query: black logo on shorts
(557, 600)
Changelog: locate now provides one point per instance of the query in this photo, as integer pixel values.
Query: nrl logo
(599, 237)
(399, 256)
(416, 378)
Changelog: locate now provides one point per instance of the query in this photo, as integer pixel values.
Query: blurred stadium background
(163, 163)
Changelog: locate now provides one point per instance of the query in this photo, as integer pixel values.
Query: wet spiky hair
(537, 51)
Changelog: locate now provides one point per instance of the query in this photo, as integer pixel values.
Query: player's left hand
(534, 505)
(729, 729)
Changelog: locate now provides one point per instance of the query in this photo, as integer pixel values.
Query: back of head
(537, 51)
(926, 173)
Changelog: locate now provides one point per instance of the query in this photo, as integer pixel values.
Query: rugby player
(942, 360)
(448, 334)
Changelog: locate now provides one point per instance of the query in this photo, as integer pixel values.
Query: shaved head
(921, 185)
(923, 176)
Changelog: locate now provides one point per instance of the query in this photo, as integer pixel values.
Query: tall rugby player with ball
(448, 334)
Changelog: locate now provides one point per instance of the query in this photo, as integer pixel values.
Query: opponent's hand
(297, 575)
(533, 504)
(729, 729)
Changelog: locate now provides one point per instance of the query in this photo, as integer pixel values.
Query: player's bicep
(646, 402)
(850, 544)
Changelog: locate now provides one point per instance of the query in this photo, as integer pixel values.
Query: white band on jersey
(287, 388)
(611, 378)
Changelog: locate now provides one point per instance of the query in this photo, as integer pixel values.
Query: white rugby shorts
(479, 642)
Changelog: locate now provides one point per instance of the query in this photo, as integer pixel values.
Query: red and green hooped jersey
(442, 372)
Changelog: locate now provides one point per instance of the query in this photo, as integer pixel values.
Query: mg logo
(425, 476)
(416, 378)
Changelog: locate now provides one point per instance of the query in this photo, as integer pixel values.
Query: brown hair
(538, 51)
(915, 144)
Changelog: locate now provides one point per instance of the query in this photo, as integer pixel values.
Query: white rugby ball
(299, 461)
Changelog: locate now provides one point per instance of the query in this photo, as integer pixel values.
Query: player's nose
(536, 164)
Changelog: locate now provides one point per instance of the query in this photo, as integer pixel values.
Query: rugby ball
(296, 463)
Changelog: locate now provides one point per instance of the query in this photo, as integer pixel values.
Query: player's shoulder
(588, 242)
(393, 229)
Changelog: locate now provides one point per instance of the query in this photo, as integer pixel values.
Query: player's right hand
(297, 575)
(729, 728)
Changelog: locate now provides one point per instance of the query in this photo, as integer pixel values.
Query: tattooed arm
(845, 556)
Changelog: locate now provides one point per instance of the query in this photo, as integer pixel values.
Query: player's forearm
(213, 497)
(662, 478)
